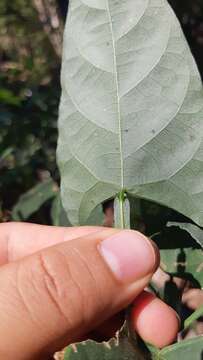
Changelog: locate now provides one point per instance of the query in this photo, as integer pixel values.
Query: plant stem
(198, 313)
(122, 221)
(122, 211)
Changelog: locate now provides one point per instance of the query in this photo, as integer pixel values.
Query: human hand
(57, 285)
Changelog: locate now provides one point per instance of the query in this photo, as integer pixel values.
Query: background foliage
(30, 55)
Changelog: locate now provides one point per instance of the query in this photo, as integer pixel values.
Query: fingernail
(129, 255)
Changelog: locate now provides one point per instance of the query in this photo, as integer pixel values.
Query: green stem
(122, 211)
(122, 220)
(121, 199)
(196, 315)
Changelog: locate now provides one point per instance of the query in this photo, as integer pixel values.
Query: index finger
(18, 240)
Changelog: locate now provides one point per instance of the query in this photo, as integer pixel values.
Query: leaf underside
(131, 108)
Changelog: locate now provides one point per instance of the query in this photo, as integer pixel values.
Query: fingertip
(130, 255)
(154, 321)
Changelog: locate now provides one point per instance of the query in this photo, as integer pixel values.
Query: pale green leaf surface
(191, 349)
(58, 214)
(193, 230)
(183, 262)
(96, 217)
(131, 108)
(33, 199)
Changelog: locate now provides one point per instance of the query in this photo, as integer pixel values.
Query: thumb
(59, 294)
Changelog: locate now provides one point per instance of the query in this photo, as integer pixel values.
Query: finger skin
(18, 240)
(193, 298)
(56, 296)
(155, 322)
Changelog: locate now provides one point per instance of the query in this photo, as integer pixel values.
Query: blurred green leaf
(32, 200)
(5, 154)
(188, 350)
(7, 97)
(186, 263)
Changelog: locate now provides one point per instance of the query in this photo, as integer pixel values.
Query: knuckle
(62, 284)
(40, 289)
(91, 300)
(54, 271)
(72, 286)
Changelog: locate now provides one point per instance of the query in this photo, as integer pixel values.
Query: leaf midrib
(117, 95)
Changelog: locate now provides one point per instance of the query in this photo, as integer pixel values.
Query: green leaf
(131, 108)
(188, 350)
(7, 97)
(58, 214)
(187, 263)
(116, 349)
(68, 353)
(96, 217)
(7, 152)
(193, 230)
(123, 349)
(31, 201)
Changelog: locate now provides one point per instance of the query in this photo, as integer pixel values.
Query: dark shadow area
(190, 14)
(175, 238)
(63, 6)
(172, 295)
